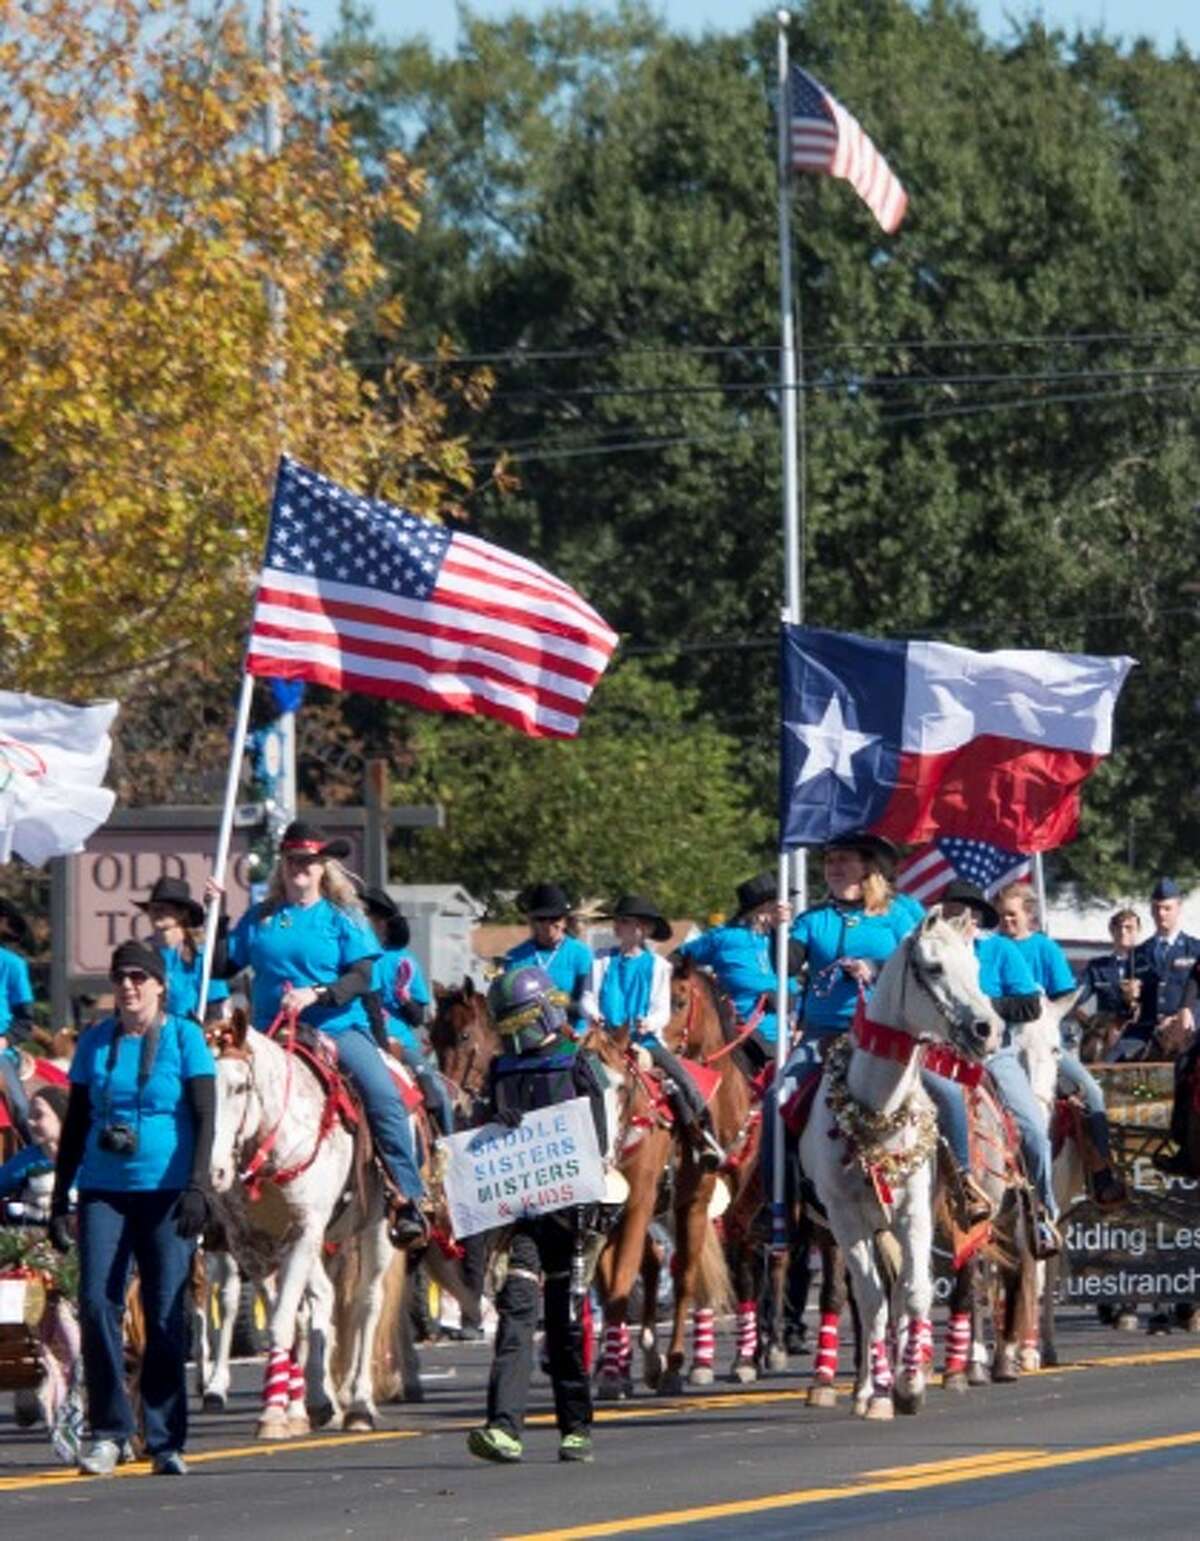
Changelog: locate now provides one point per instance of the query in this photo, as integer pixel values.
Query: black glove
(61, 1233)
(191, 1213)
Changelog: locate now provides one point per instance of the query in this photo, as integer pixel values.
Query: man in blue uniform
(1112, 982)
(549, 946)
(1163, 963)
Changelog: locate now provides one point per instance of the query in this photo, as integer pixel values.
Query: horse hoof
(977, 1375)
(298, 1425)
(1004, 1372)
(670, 1384)
(412, 1391)
(213, 1403)
(1050, 1357)
(277, 1427)
(1029, 1360)
(908, 1403)
(1127, 1321)
(744, 1372)
(319, 1416)
(1192, 1322)
(955, 1380)
(610, 1388)
(27, 1410)
(879, 1409)
(701, 1375)
(822, 1396)
(777, 1360)
(360, 1421)
(653, 1370)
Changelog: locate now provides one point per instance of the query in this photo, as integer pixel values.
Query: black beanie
(138, 955)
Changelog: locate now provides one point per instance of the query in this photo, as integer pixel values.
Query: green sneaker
(493, 1444)
(575, 1447)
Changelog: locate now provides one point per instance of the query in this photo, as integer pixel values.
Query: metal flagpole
(232, 777)
(793, 612)
(1039, 888)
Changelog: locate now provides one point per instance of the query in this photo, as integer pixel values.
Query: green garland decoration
(867, 1132)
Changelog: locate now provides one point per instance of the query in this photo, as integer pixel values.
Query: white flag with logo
(52, 760)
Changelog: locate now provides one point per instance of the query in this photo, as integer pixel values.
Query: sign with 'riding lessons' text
(497, 1175)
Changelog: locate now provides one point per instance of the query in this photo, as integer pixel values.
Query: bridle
(956, 1014)
(468, 1091)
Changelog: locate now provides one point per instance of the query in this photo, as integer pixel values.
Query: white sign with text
(496, 1175)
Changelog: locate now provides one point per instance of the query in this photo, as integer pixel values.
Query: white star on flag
(830, 745)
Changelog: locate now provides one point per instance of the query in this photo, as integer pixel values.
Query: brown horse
(465, 1042)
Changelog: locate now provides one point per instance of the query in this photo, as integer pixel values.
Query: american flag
(825, 137)
(926, 873)
(362, 596)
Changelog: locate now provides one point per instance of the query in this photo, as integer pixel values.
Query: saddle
(797, 1109)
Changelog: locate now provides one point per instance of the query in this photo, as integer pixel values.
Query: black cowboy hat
(883, 851)
(545, 901)
(636, 907)
(168, 890)
(17, 924)
(762, 889)
(379, 903)
(301, 839)
(962, 892)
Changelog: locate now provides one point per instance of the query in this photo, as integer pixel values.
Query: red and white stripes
(296, 1384)
(704, 1337)
(825, 1367)
(618, 1350)
(747, 1329)
(881, 1368)
(918, 1345)
(277, 1379)
(958, 1342)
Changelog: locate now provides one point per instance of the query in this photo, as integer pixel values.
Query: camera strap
(147, 1054)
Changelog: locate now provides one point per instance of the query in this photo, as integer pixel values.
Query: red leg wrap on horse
(704, 1336)
(295, 1382)
(914, 1345)
(747, 1329)
(277, 1378)
(958, 1342)
(881, 1367)
(617, 1349)
(827, 1347)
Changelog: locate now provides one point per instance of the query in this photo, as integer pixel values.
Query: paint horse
(279, 1125)
(869, 1145)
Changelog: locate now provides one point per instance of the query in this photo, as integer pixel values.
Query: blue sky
(1163, 21)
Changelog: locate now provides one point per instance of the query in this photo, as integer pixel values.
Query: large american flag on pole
(359, 595)
(927, 871)
(827, 138)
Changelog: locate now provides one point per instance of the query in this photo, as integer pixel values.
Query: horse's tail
(714, 1287)
(387, 1351)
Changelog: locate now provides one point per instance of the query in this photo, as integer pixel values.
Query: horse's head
(239, 1108)
(930, 987)
(463, 1036)
(697, 1023)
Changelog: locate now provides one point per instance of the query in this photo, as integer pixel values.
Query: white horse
(869, 1145)
(269, 1101)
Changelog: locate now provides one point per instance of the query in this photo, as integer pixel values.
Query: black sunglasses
(133, 976)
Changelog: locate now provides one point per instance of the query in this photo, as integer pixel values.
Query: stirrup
(977, 1205)
(407, 1226)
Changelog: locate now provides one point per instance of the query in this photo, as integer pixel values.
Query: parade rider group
(332, 954)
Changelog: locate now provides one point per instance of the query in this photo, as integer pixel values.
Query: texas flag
(916, 739)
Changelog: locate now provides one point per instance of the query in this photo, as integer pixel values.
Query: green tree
(646, 798)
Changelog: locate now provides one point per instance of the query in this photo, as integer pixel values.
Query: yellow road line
(967, 1471)
(622, 1413)
(954, 1463)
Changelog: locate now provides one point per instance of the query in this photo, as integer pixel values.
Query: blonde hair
(877, 892)
(336, 885)
(1024, 896)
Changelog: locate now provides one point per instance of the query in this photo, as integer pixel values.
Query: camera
(119, 1139)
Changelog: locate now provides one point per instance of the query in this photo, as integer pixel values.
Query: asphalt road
(1106, 1446)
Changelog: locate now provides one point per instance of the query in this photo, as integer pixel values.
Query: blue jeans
(433, 1088)
(804, 1057)
(1017, 1096)
(115, 1229)
(951, 1105)
(18, 1102)
(1073, 1074)
(387, 1115)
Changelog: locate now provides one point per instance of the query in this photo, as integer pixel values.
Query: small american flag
(362, 596)
(927, 872)
(825, 137)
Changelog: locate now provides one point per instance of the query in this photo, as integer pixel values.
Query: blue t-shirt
(743, 962)
(829, 932)
(385, 980)
(1047, 962)
(162, 1116)
(304, 947)
(569, 965)
(1002, 968)
(15, 988)
(183, 982)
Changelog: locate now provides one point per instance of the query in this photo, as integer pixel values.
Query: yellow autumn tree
(145, 389)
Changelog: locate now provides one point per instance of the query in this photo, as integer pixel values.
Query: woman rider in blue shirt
(137, 1141)
(174, 915)
(1046, 961)
(550, 946)
(311, 952)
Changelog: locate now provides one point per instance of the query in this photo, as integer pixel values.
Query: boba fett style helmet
(526, 1003)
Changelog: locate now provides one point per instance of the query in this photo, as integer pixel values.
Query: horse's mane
(719, 1001)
